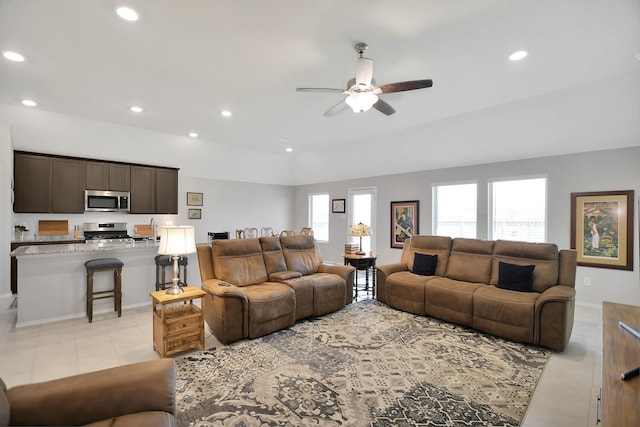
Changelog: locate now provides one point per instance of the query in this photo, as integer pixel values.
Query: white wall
(594, 171)
(6, 208)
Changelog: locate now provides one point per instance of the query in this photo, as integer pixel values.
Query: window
(361, 208)
(454, 210)
(319, 216)
(518, 209)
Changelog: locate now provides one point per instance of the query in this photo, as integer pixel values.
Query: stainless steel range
(106, 232)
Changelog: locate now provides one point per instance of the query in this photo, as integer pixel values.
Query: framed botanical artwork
(404, 222)
(338, 205)
(195, 213)
(194, 199)
(602, 228)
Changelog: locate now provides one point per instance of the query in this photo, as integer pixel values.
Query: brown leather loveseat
(261, 285)
(517, 290)
(136, 395)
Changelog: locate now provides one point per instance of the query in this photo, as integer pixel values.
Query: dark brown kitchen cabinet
(143, 189)
(154, 190)
(32, 178)
(166, 191)
(107, 176)
(67, 185)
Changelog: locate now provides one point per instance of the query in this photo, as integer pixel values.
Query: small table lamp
(360, 230)
(176, 241)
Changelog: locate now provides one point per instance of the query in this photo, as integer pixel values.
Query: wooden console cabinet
(620, 352)
(177, 326)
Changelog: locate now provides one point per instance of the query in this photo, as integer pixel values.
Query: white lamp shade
(177, 240)
(361, 101)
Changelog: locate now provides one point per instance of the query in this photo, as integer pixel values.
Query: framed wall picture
(195, 213)
(404, 222)
(338, 205)
(194, 199)
(602, 228)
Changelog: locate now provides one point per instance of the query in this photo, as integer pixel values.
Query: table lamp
(176, 241)
(360, 230)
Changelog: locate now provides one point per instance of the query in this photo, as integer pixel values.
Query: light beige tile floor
(564, 396)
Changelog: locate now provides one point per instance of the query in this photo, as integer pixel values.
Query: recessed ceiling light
(136, 109)
(127, 13)
(226, 113)
(29, 103)
(288, 149)
(13, 56)
(518, 55)
(193, 134)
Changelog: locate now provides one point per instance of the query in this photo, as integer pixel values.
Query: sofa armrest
(220, 288)
(94, 396)
(384, 271)
(347, 272)
(554, 313)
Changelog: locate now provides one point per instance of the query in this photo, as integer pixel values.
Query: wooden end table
(366, 263)
(177, 327)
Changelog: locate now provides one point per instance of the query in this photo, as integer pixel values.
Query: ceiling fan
(362, 90)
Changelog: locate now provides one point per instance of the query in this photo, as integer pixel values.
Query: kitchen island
(52, 278)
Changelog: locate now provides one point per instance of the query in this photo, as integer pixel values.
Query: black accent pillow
(515, 277)
(424, 264)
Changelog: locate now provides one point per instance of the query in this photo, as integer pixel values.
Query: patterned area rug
(367, 364)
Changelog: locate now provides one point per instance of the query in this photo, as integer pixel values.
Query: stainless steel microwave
(106, 201)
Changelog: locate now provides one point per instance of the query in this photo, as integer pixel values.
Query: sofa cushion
(273, 256)
(303, 289)
(271, 307)
(450, 300)
(543, 255)
(424, 264)
(470, 260)
(432, 245)
(505, 313)
(328, 293)
(515, 277)
(405, 291)
(301, 254)
(239, 262)
(140, 419)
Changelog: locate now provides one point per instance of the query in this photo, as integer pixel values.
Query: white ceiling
(186, 60)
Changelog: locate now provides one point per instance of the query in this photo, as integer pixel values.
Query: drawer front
(185, 342)
(183, 324)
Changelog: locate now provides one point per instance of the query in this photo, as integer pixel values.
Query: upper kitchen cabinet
(107, 176)
(32, 183)
(67, 185)
(154, 190)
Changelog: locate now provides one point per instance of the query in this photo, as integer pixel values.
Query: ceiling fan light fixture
(361, 101)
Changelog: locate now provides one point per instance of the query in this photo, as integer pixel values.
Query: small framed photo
(194, 199)
(602, 228)
(195, 213)
(338, 205)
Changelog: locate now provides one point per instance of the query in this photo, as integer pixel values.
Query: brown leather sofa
(137, 395)
(261, 285)
(466, 287)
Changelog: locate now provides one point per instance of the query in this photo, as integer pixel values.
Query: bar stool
(99, 265)
(163, 261)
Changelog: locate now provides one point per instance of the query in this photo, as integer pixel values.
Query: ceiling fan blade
(364, 71)
(402, 86)
(384, 107)
(336, 108)
(318, 89)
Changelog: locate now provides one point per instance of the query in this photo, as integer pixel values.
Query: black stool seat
(163, 261)
(104, 264)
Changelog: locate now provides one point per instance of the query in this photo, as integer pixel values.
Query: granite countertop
(71, 248)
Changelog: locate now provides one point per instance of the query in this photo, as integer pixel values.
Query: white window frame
(310, 216)
(490, 204)
(434, 202)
